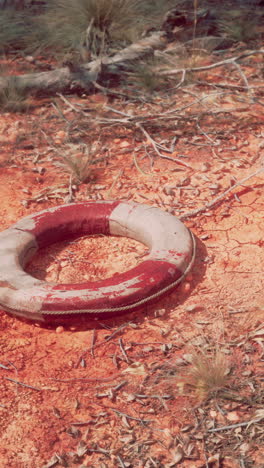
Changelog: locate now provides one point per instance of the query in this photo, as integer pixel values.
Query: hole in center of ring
(89, 258)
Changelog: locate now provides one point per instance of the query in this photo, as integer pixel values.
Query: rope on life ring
(172, 252)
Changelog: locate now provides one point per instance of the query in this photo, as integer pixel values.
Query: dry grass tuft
(13, 99)
(77, 160)
(19, 29)
(206, 375)
(240, 25)
(91, 28)
(146, 76)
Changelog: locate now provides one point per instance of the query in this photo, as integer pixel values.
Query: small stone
(59, 137)
(233, 416)
(237, 163)
(147, 349)
(25, 203)
(185, 182)
(205, 236)
(169, 189)
(225, 214)
(180, 362)
(160, 313)
(29, 59)
(208, 260)
(131, 397)
(99, 187)
(191, 307)
(188, 357)
(214, 186)
(247, 373)
(124, 144)
(60, 134)
(204, 167)
(244, 448)
(59, 329)
(186, 287)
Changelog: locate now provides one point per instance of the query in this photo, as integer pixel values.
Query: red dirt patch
(144, 416)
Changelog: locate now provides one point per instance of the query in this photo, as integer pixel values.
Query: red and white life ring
(172, 251)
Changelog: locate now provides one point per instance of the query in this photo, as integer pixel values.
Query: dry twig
(156, 147)
(232, 60)
(23, 384)
(234, 426)
(207, 206)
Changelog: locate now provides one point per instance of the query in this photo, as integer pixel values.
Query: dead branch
(72, 76)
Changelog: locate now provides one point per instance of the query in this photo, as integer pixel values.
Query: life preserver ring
(172, 250)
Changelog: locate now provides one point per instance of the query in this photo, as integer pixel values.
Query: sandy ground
(219, 307)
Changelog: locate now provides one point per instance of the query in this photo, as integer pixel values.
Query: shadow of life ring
(171, 245)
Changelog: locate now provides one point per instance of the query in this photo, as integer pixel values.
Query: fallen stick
(175, 71)
(74, 76)
(23, 384)
(234, 426)
(207, 206)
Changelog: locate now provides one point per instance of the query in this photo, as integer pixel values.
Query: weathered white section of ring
(17, 286)
(166, 236)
